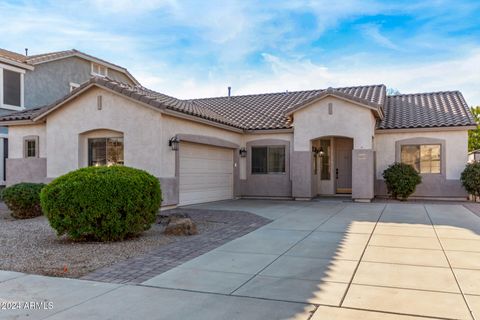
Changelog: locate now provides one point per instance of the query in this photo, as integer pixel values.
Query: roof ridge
(424, 93)
(287, 92)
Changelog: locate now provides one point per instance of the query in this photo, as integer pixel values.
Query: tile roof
(426, 110)
(139, 93)
(268, 111)
(17, 57)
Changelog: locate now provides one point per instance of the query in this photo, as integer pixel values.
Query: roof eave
(438, 128)
(376, 109)
(95, 60)
(16, 63)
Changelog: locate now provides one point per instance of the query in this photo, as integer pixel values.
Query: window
(424, 158)
(30, 147)
(73, 86)
(99, 70)
(325, 159)
(11, 88)
(268, 159)
(105, 151)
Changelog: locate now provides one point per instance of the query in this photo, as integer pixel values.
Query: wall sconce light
(322, 153)
(173, 143)
(242, 152)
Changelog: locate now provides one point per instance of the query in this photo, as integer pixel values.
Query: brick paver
(141, 268)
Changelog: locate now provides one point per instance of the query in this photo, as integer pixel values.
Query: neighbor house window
(30, 147)
(99, 70)
(424, 158)
(269, 159)
(105, 151)
(12, 88)
(325, 159)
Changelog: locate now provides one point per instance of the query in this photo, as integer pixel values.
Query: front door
(343, 165)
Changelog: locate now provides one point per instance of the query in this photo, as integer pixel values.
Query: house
(32, 81)
(286, 145)
(474, 156)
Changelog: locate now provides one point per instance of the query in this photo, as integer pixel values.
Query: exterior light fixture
(242, 152)
(314, 150)
(173, 143)
(322, 153)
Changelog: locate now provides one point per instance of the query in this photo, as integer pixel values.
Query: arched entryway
(332, 165)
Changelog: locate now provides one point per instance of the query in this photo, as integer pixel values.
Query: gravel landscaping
(32, 246)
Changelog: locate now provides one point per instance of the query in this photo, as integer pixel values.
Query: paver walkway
(316, 260)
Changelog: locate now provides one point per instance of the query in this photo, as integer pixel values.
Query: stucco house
(41, 79)
(289, 144)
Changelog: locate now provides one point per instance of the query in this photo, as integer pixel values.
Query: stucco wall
(51, 81)
(172, 126)
(347, 120)
(456, 149)
(15, 140)
(64, 127)
(315, 121)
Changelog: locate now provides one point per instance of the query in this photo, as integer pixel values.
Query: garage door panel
(205, 165)
(206, 173)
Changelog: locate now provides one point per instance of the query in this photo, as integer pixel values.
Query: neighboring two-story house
(38, 80)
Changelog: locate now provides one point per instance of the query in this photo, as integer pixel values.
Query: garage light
(173, 143)
(242, 152)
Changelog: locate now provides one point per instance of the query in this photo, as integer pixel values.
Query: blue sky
(198, 48)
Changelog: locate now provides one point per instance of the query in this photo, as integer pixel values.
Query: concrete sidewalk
(317, 260)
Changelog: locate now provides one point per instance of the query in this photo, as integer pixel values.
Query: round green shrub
(401, 180)
(23, 199)
(470, 178)
(102, 203)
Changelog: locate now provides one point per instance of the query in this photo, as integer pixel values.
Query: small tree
(474, 135)
(470, 178)
(401, 180)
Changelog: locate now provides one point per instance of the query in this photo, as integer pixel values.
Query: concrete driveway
(316, 260)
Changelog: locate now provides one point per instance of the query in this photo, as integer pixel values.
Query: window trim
(268, 147)
(424, 141)
(26, 139)
(22, 86)
(92, 64)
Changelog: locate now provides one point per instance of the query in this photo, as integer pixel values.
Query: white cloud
(462, 73)
(372, 32)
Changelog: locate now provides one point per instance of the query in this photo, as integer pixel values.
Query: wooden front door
(343, 165)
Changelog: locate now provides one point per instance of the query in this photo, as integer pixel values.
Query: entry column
(363, 174)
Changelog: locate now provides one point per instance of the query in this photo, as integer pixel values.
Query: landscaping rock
(177, 216)
(181, 227)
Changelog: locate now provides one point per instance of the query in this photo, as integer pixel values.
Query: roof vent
(229, 91)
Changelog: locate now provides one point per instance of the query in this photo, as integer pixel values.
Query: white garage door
(206, 173)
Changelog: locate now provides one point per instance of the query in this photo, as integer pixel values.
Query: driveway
(316, 260)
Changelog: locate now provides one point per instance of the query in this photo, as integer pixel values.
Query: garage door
(206, 173)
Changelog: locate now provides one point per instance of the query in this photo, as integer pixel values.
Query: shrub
(23, 199)
(401, 180)
(102, 203)
(470, 178)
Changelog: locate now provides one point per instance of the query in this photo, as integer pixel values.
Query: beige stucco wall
(81, 115)
(146, 133)
(172, 126)
(16, 135)
(456, 145)
(347, 120)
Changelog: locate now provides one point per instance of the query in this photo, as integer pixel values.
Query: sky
(192, 49)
